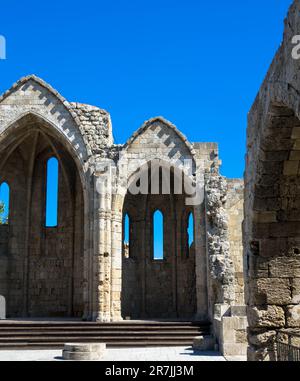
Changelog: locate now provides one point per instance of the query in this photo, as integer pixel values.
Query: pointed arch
(47, 104)
(34, 79)
(32, 141)
(160, 130)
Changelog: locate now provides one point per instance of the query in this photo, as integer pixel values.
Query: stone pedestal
(84, 351)
(230, 327)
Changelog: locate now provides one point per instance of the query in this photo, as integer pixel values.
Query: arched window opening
(190, 232)
(4, 203)
(158, 236)
(126, 234)
(52, 193)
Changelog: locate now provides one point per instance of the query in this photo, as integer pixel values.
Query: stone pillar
(200, 264)
(116, 256)
(88, 254)
(102, 245)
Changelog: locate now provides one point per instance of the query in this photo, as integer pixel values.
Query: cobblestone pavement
(124, 354)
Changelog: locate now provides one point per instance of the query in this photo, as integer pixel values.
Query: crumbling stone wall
(271, 226)
(95, 126)
(224, 214)
(221, 266)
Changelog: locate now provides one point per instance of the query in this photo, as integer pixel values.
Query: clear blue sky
(198, 63)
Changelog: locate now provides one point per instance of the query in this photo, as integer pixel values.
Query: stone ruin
(83, 267)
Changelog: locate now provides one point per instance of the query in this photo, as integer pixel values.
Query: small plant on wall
(1, 213)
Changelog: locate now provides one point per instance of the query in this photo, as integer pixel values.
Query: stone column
(200, 264)
(88, 254)
(116, 256)
(102, 244)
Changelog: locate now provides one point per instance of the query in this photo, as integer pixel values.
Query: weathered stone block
(272, 247)
(238, 310)
(267, 316)
(262, 338)
(234, 349)
(258, 267)
(261, 354)
(204, 343)
(295, 155)
(270, 291)
(285, 267)
(296, 291)
(293, 316)
(291, 168)
(241, 336)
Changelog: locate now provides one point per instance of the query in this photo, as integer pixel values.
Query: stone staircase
(50, 334)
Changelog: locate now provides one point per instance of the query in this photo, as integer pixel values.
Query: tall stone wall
(271, 226)
(4, 234)
(235, 211)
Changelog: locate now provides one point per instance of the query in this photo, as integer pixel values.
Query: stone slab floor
(124, 354)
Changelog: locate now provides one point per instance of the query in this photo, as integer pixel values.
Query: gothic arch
(25, 146)
(166, 288)
(160, 136)
(46, 103)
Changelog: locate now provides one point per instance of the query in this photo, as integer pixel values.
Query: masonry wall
(271, 227)
(4, 234)
(42, 268)
(158, 288)
(235, 210)
(15, 237)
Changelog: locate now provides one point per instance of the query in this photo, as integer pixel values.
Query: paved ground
(127, 354)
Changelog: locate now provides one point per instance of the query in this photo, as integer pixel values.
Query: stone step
(31, 338)
(103, 333)
(16, 324)
(144, 327)
(43, 335)
(117, 344)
